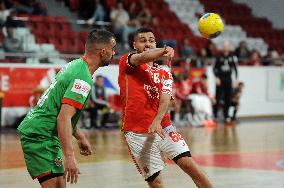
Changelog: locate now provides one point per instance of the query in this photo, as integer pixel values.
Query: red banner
(18, 83)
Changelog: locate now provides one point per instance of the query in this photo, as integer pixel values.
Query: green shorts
(43, 156)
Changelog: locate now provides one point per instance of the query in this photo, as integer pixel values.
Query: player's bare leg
(193, 170)
(56, 182)
(156, 183)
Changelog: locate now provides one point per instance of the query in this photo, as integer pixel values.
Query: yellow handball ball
(210, 25)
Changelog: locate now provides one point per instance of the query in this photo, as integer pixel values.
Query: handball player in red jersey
(146, 91)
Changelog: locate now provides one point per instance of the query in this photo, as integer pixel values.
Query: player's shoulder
(124, 57)
(74, 69)
(79, 66)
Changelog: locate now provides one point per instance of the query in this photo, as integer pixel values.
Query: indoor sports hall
(235, 134)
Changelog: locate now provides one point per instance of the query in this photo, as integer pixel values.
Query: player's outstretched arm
(156, 126)
(64, 128)
(152, 55)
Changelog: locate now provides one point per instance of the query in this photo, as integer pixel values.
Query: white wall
(271, 9)
(263, 92)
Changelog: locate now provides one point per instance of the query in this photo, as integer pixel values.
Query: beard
(105, 62)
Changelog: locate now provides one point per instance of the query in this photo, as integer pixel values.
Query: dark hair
(142, 30)
(99, 76)
(99, 36)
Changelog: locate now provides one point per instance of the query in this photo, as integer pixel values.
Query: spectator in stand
(10, 43)
(120, 18)
(144, 16)
(35, 7)
(182, 92)
(201, 103)
(99, 102)
(242, 51)
(99, 13)
(176, 104)
(4, 13)
(39, 8)
(10, 21)
(133, 9)
(202, 57)
(271, 58)
(86, 8)
(255, 59)
(186, 50)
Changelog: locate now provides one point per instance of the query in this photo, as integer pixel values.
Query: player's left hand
(85, 147)
(156, 127)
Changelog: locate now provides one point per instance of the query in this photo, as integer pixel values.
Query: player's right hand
(156, 127)
(169, 54)
(72, 171)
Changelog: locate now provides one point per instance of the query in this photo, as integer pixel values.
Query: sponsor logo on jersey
(152, 91)
(81, 87)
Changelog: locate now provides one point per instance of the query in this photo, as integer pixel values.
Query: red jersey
(140, 89)
(183, 89)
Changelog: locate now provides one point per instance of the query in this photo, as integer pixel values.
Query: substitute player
(46, 132)
(146, 91)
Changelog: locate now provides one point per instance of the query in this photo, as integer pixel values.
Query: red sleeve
(73, 103)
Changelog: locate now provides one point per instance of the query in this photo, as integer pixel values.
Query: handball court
(247, 155)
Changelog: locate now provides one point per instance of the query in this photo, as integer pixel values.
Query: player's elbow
(136, 59)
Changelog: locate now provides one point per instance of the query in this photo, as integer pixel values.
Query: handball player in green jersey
(46, 132)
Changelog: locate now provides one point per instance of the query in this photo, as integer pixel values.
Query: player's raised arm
(151, 55)
(146, 50)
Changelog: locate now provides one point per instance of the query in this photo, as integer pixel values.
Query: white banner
(275, 85)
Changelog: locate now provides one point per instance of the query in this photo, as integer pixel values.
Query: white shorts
(148, 151)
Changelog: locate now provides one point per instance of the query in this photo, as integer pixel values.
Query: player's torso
(145, 84)
(42, 119)
(140, 92)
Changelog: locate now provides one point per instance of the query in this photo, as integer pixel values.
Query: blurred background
(38, 37)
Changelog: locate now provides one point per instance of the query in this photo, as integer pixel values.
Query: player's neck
(150, 64)
(92, 62)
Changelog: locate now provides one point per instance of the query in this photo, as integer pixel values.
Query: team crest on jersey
(81, 87)
(146, 169)
(58, 161)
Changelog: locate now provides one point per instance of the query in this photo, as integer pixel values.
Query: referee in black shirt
(225, 65)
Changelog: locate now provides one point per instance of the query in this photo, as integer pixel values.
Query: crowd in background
(125, 18)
